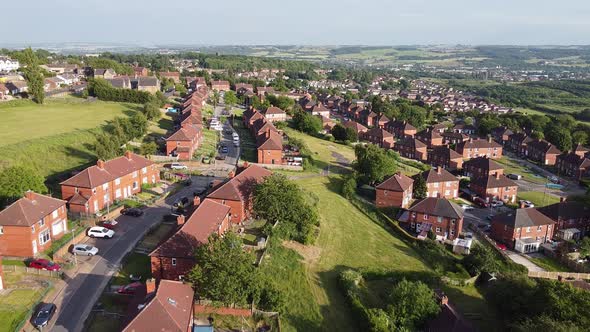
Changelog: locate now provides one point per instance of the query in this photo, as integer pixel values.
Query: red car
(481, 202)
(501, 246)
(130, 289)
(44, 264)
(110, 224)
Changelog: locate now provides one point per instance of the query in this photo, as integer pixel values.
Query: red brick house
(369, 118)
(481, 167)
(411, 148)
(495, 187)
(174, 258)
(431, 137)
(140, 71)
(502, 135)
(519, 143)
(242, 88)
(473, 148)
(568, 214)
(440, 183)
(93, 188)
(523, 230)
(543, 152)
(170, 309)
(450, 137)
(270, 148)
(29, 225)
(445, 157)
(275, 114)
(381, 121)
(395, 191)
(237, 192)
(463, 128)
(440, 215)
(184, 142)
(358, 128)
(573, 165)
(173, 75)
(379, 137)
(320, 110)
(220, 85)
(401, 129)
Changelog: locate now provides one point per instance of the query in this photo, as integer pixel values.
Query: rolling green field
(55, 138)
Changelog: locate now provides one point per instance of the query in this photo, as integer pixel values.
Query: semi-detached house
(97, 186)
(28, 225)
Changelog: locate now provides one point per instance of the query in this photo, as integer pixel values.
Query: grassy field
(15, 304)
(512, 165)
(24, 120)
(55, 138)
(549, 264)
(538, 198)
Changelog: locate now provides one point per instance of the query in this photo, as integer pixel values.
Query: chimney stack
(497, 175)
(30, 195)
(438, 169)
(231, 174)
(196, 201)
(150, 286)
(100, 164)
(128, 154)
(489, 139)
(470, 139)
(180, 220)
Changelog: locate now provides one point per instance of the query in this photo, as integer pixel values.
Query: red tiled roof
(29, 210)
(273, 142)
(432, 175)
(169, 311)
(241, 186)
(94, 176)
(274, 110)
(440, 207)
(397, 182)
(187, 133)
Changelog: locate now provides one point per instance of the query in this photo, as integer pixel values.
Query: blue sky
(309, 22)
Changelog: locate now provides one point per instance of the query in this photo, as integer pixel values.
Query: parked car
(497, 203)
(84, 250)
(199, 192)
(99, 231)
(130, 289)
(554, 179)
(481, 202)
(44, 264)
(43, 315)
(527, 204)
(134, 212)
(501, 246)
(513, 176)
(466, 207)
(110, 224)
(178, 166)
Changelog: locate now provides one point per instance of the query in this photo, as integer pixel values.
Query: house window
(135, 174)
(452, 232)
(105, 198)
(528, 229)
(33, 229)
(135, 185)
(438, 229)
(539, 228)
(44, 237)
(173, 261)
(549, 227)
(453, 221)
(144, 170)
(448, 184)
(1, 230)
(105, 186)
(436, 185)
(425, 216)
(54, 214)
(439, 219)
(118, 181)
(41, 222)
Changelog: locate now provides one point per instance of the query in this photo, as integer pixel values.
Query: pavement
(83, 286)
(522, 260)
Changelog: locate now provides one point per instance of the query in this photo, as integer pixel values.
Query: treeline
(103, 90)
(112, 142)
(245, 63)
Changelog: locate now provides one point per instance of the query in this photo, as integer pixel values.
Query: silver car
(84, 250)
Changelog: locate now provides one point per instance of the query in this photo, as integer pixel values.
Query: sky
(300, 22)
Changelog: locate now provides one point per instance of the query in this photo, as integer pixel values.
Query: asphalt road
(84, 289)
(233, 154)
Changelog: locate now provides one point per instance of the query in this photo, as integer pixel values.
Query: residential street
(75, 302)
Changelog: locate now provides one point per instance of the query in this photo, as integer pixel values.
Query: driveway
(519, 259)
(84, 288)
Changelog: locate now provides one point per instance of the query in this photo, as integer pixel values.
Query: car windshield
(105, 230)
(88, 248)
(43, 313)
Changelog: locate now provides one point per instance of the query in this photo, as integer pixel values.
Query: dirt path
(311, 254)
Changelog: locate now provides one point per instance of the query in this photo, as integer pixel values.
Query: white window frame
(174, 262)
(118, 181)
(54, 214)
(43, 235)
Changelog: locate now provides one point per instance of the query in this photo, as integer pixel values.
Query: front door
(34, 247)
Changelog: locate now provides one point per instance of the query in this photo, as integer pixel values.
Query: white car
(178, 166)
(466, 207)
(85, 250)
(497, 203)
(528, 204)
(99, 231)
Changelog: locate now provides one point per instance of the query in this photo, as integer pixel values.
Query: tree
(349, 187)
(148, 148)
(307, 123)
(33, 74)
(230, 98)
(481, 259)
(412, 304)
(373, 164)
(224, 271)
(339, 132)
(585, 247)
(420, 190)
(106, 146)
(379, 321)
(351, 135)
(580, 137)
(151, 111)
(181, 89)
(279, 200)
(16, 180)
(215, 98)
(559, 136)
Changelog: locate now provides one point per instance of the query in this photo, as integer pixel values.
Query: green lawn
(512, 166)
(348, 239)
(549, 264)
(24, 120)
(56, 138)
(15, 304)
(136, 264)
(538, 198)
(208, 146)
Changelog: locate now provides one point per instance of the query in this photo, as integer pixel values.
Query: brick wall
(446, 225)
(434, 191)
